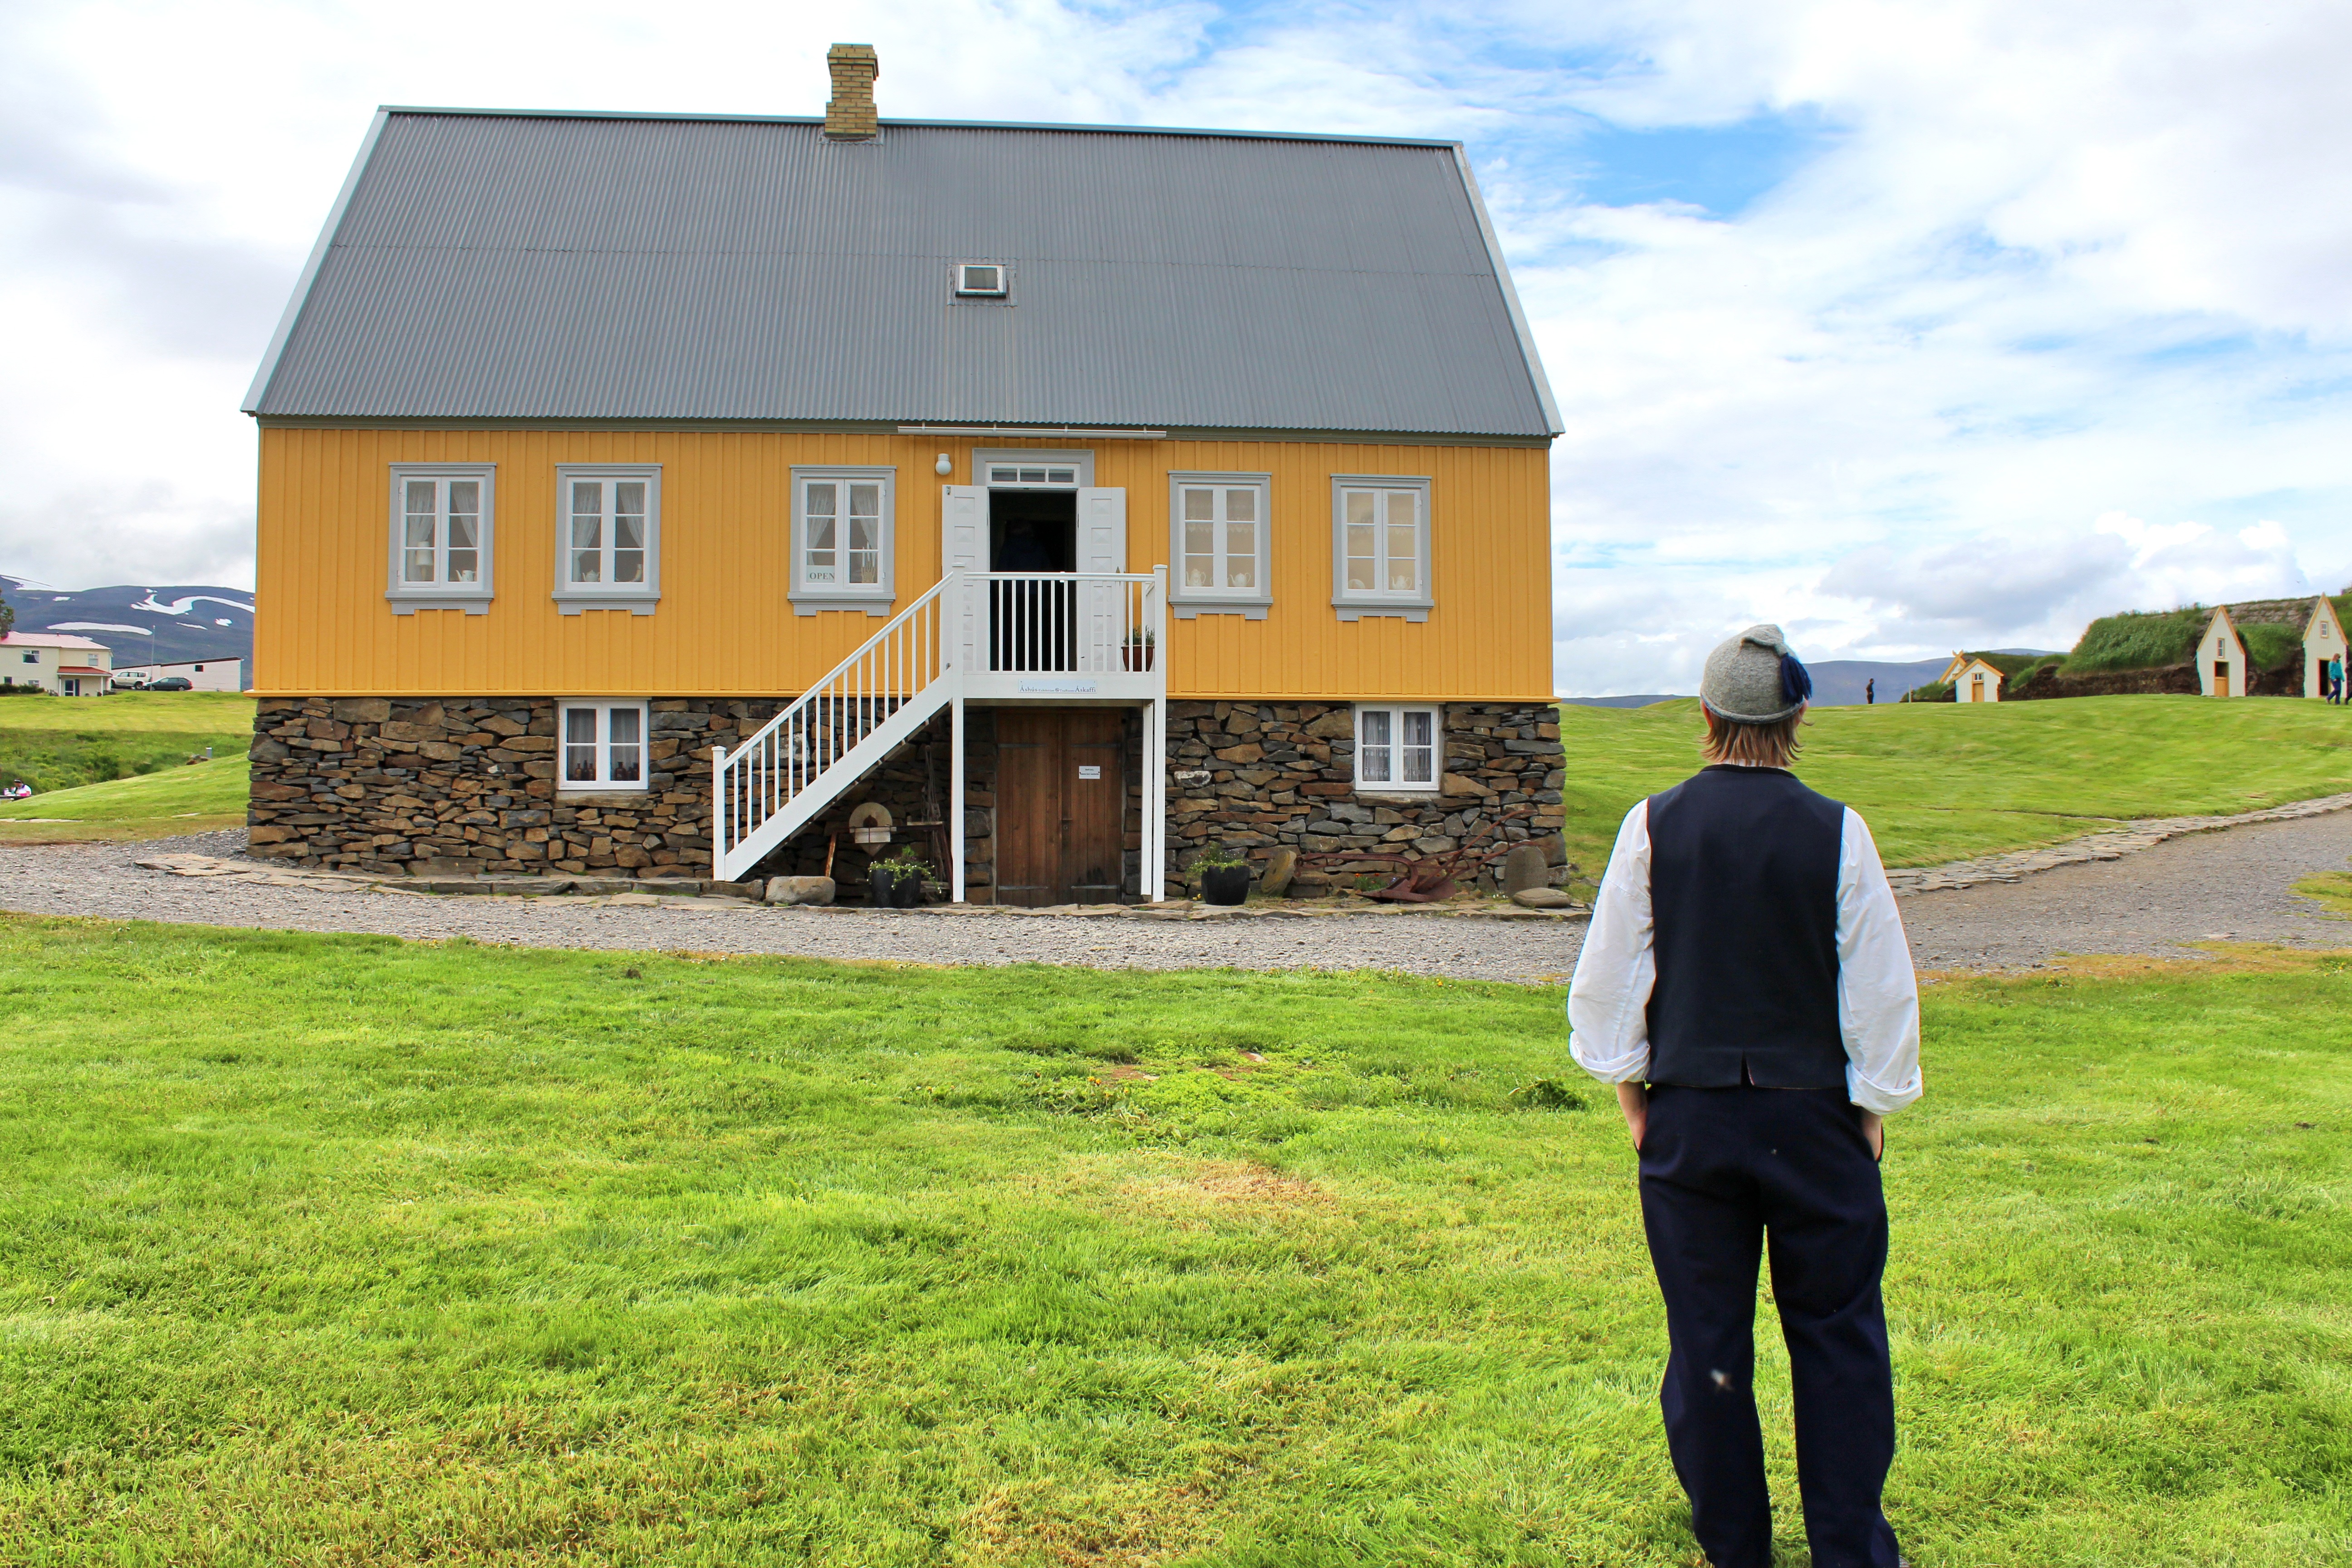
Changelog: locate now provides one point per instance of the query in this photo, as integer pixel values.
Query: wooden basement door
(1061, 800)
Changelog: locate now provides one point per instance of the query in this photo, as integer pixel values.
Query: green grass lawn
(62, 743)
(338, 1249)
(1945, 780)
(171, 800)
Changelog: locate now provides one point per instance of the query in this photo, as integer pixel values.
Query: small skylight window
(983, 280)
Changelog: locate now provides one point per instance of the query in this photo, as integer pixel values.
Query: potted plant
(897, 883)
(1225, 875)
(1137, 652)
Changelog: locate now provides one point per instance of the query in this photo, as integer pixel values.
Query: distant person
(2336, 679)
(1746, 964)
(1870, 692)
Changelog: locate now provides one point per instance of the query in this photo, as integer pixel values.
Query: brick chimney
(850, 116)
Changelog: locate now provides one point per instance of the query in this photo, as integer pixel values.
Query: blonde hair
(1773, 745)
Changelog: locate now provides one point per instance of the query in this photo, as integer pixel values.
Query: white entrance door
(963, 547)
(1102, 548)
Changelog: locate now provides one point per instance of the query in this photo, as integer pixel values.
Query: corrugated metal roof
(564, 267)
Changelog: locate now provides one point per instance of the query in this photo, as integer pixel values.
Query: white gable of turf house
(2323, 639)
(1972, 679)
(2222, 668)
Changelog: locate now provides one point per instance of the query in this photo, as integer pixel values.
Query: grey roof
(506, 265)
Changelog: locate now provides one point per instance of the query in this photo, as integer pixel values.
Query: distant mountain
(1643, 701)
(1837, 682)
(189, 621)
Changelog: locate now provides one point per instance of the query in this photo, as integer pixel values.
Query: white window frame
(873, 598)
(1079, 461)
(1000, 295)
(1395, 713)
(1189, 602)
(604, 707)
(405, 597)
(638, 598)
(1354, 604)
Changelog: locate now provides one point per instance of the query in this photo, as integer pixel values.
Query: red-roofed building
(56, 662)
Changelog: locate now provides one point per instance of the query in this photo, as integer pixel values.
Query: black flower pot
(879, 885)
(1224, 884)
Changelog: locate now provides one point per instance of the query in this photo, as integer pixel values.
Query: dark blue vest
(1743, 891)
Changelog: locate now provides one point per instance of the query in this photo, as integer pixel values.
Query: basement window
(1396, 750)
(604, 746)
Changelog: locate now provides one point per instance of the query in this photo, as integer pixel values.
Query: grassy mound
(338, 1249)
(2139, 639)
(1942, 781)
(169, 801)
(60, 742)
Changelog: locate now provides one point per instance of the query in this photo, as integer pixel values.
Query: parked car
(172, 683)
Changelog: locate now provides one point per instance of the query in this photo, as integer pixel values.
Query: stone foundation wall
(466, 786)
(1258, 776)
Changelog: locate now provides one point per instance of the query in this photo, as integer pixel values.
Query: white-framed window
(1017, 470)
(1380, 546)
(602, 744)
(1400, 748)
(443, 516)
(983, 280)
(845, 539)
(1220, 539)
(607, 537)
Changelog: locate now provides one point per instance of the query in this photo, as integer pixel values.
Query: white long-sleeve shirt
(1878, 995)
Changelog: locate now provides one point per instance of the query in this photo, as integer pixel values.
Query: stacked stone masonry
(460, 786)
(1258, 776)
(466, 785)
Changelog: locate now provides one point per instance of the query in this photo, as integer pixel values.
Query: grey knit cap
(1753, 679)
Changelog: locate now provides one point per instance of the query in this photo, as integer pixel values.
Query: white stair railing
(800, 760)
(970, 627)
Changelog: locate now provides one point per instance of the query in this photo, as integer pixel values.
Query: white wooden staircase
(998, 636)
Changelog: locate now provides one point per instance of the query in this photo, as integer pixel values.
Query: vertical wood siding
(725, 627)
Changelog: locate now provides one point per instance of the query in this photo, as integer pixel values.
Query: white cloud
(2035, 266)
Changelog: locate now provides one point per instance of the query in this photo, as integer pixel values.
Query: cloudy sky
(1911, 325)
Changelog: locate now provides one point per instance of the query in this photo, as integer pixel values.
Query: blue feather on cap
(1796, 680)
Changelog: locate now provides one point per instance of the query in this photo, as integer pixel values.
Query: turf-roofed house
(641, 494)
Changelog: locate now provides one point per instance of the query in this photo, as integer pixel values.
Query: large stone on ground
(800, 889)
(1542, 899)
(1311, 885)
(1280, 867)
(1524, 868)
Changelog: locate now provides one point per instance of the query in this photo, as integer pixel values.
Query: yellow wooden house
(640, 494)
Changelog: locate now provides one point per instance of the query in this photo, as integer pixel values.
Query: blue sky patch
(1721, 170)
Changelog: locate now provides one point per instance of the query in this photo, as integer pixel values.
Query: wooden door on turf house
(1061, 806)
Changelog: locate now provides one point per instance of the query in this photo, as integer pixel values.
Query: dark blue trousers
(1725, 1171)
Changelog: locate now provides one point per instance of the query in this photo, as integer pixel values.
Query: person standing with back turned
(1745, 962)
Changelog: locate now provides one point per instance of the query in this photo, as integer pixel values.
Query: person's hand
(1874, 1132)
(1634, 1102)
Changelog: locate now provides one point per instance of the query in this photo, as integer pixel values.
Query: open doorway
(1033, 625)
(1033, 530)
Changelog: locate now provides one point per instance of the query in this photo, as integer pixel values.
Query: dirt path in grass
(2234, 884)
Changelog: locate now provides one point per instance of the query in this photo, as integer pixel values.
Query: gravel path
(2229, 884)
